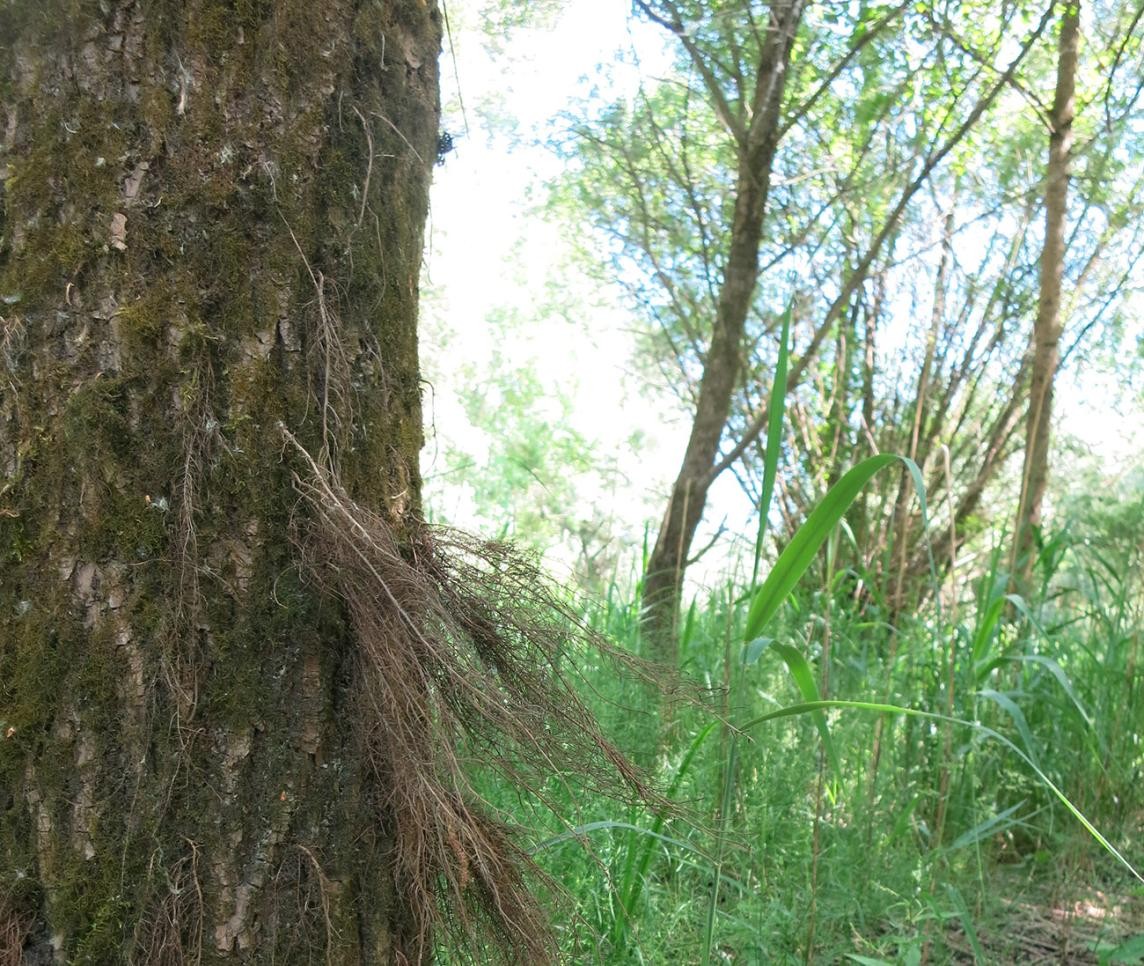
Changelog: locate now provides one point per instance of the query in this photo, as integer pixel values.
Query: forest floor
(1069, 923)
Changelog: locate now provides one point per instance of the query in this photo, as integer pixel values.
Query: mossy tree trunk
(211, 220)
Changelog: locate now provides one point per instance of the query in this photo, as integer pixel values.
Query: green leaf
(804, 678)
(1131, 951)
(756, 647)
(800, 552)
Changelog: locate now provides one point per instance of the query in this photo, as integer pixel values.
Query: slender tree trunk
(663, 577)
(918, 451)
(1044, 347)
(211, 220)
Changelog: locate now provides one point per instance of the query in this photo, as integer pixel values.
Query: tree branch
(733, 123)
(858, 276)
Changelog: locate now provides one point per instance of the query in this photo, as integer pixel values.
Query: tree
(753, 119)
(239, 677)
(1044, 347)
(870, 106)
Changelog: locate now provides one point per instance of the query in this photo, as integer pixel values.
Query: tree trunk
(1044, 347)
(663, 576)
(211, 220)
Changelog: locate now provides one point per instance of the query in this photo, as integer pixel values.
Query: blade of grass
(800, 552)
(804, 677)
(774, 439)
(962, 910)
(1009, 706)
(982, 830)
(986, 629)
(1062, 679)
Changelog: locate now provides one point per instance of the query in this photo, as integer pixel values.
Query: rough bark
(1045, 344)
(211, 220)
(758, 142)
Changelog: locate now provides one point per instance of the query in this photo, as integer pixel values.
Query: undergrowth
(820, 850)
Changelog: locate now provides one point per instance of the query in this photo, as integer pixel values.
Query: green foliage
(1046, 775)
(526, 468)
(1015, 768)
(533, 455)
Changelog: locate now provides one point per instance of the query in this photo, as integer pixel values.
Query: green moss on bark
(179, 692)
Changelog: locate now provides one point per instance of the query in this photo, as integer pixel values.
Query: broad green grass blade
(1062, 679)
(786, 573)
(811, 706)
(804, 677)
(982, 830)
(685, 655)
(1009, 706)
(985, 630)
(754, 650)
(800, 552)
(962, 908)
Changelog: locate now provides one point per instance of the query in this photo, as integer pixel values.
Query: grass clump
(996, 816)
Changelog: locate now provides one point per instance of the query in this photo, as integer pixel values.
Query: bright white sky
(488, 251)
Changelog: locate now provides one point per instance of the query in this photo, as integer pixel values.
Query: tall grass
(1024, 721)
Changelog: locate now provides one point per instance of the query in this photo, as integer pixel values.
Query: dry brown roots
(15, 927)
(462, 652)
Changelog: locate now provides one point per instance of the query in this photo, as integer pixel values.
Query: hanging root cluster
(462, 657)
(15, 926)
(173, 934)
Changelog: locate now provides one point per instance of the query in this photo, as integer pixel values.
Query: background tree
(913, 262)
(670, 166)
(1045, 344)
(240, 681)
(748, 104)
